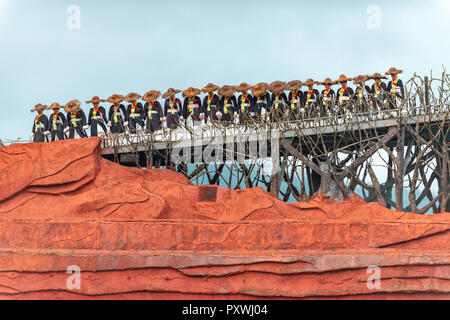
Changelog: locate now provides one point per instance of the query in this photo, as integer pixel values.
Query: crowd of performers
(127, 113)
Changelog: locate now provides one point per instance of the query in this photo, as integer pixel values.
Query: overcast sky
(138, 45)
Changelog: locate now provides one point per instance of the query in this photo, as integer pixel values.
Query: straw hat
(38, 108)
(361, 78)
(309, 82)
(343, 78)
(54, 106)
(277, 86)
(294, 85)
(393, 71)
(95, 99)
(244, 87)
(169, 93)
(151, 96)
(260, 89)
(115, 98)
(132, 97)
(327, 81)
(210, 88)
(191, 92)
(227, 91)
(72, 106)
(377, 76)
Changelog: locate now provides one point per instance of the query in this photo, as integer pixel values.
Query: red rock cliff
(152, 235)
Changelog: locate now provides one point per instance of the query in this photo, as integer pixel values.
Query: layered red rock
(151, 234)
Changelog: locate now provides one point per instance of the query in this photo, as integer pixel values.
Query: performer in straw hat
(395, 88)
(172, 108)
(261, 99)
(118, 115)
(211, 103)
(311, 98)
(192, 107)
(327, 96)
(153, 112)
(40, 124)
(135, 112)
(295, 99)
(97, 117)
(344, 95)
(228, 104)
(245, 103)
(362, 94)
(378, 91)
(76, 120)
(57, 122)
(278, 100)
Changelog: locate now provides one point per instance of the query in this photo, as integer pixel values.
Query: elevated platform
(350, 128)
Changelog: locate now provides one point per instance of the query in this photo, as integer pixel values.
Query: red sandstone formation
(150, 234)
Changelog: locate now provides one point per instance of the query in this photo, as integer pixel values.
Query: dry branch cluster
(390, 152)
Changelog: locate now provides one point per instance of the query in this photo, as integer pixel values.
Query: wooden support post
(329, 187)
(427, 94)
(376, 185)
(316, 178)
(389, 183)
(399, 173)
(444, 179)
(310, 183)
(316, 181)
(275, 183)
(275, 179)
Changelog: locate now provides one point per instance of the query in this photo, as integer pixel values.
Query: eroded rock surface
(151, 234)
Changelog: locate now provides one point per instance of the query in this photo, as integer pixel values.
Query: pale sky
(135, 45)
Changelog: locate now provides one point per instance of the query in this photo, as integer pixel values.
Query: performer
(211, 103)
(244, 103)
(261, 99)
(295, 99)
(57, 122)
(228, 104)
(97, 117)
(395, 89)
(118, 116)
(327, 96)
(378, 91)
(278, 100)
(76, 120)
(311, 98)
(362, 94)
(172, 108)
(344, 95)
(40, 125)
(135, 111)
(192, 107)
(153, 112)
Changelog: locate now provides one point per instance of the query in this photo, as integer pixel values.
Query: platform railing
(347, 122)
(347, 119)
